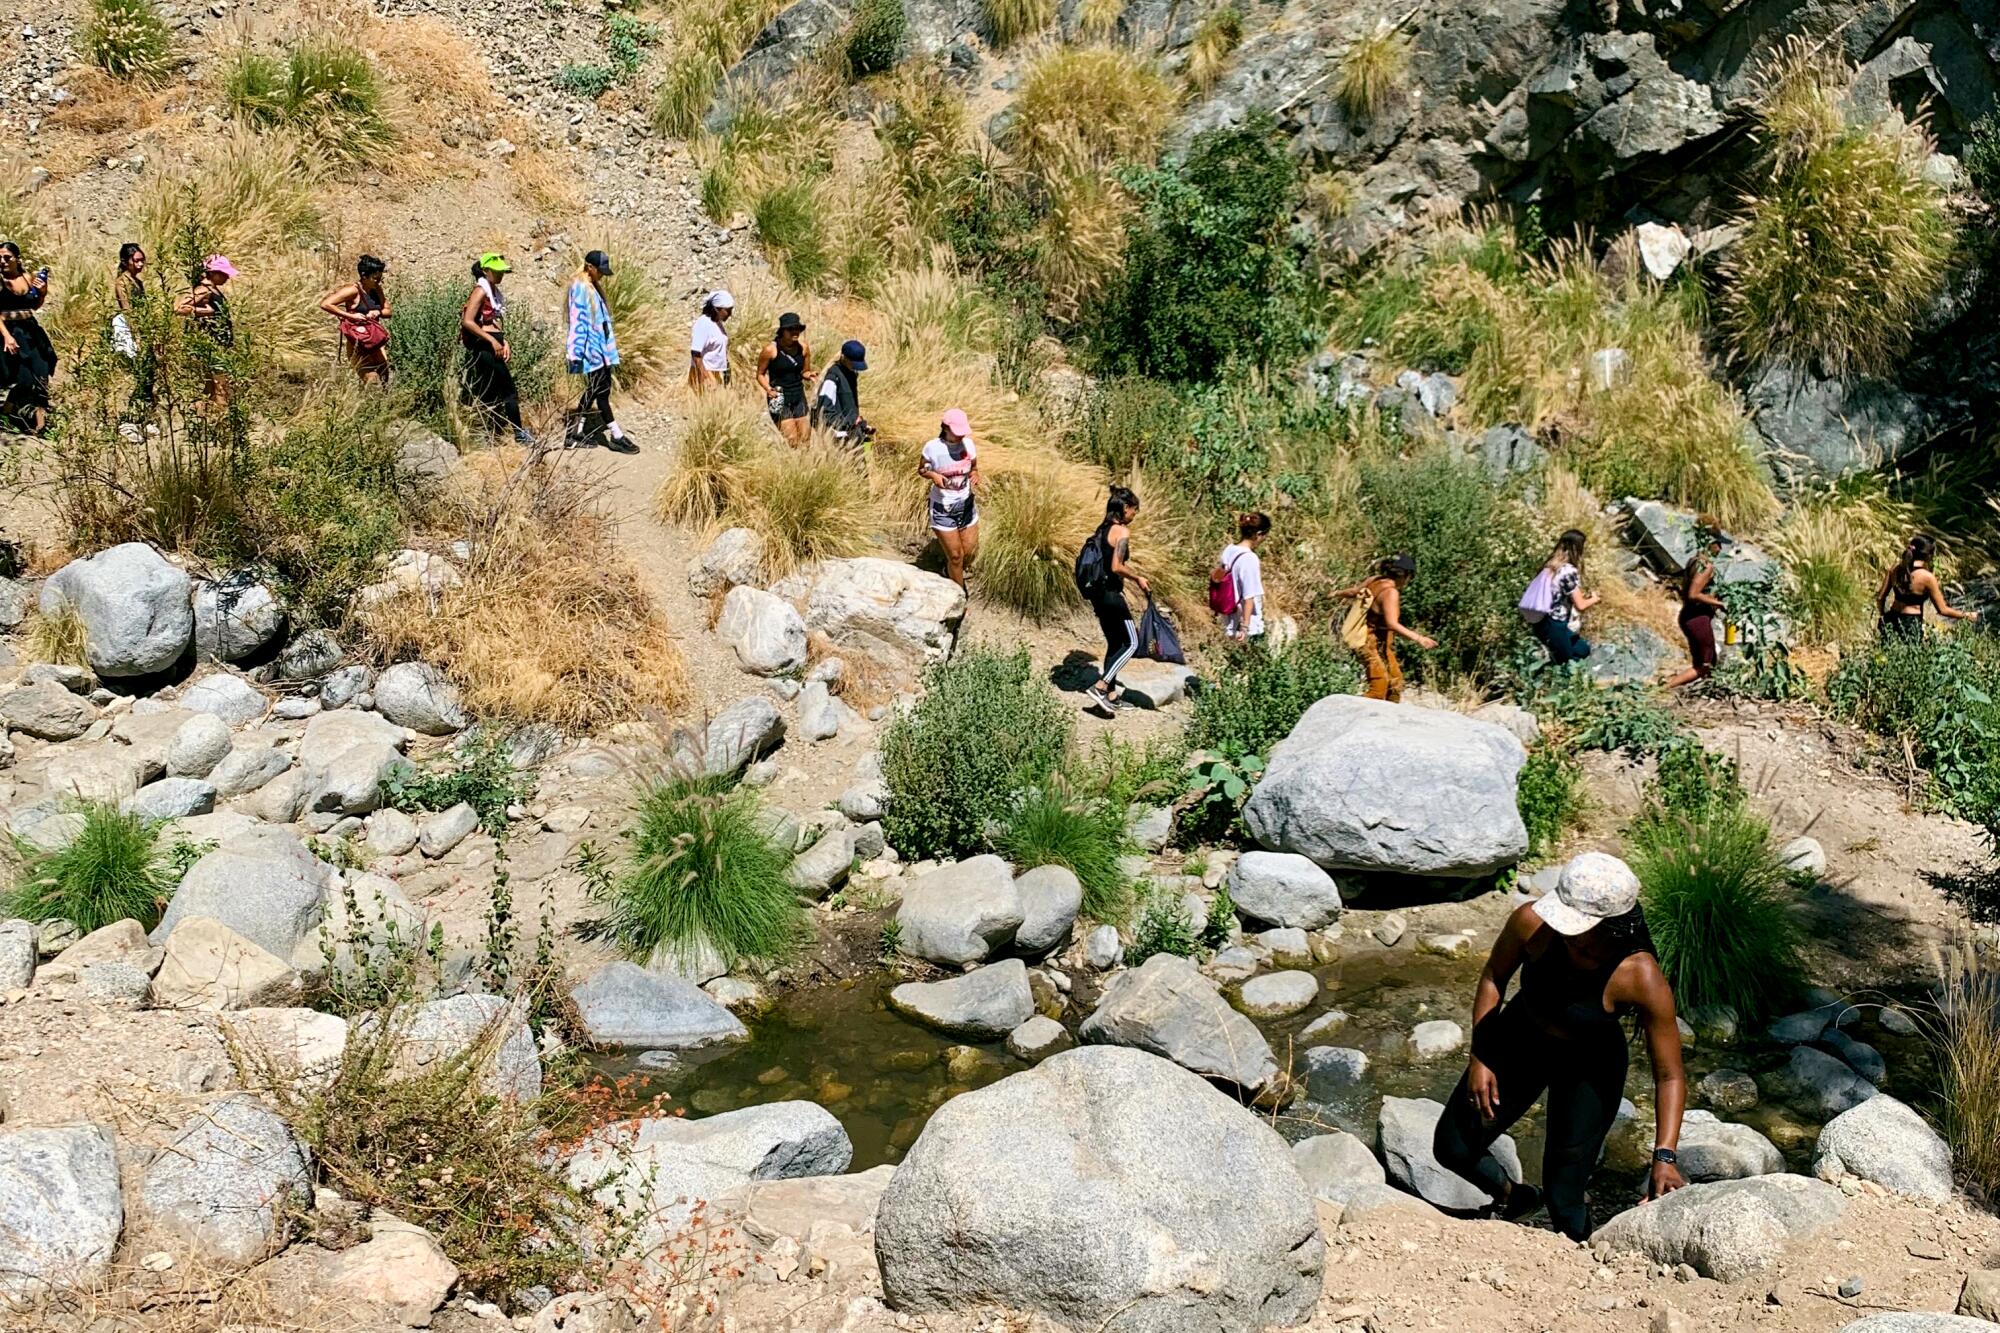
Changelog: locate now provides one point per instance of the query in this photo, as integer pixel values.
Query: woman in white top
(950, 463)
(708, 349)
(1240, 565)
(1555, 601)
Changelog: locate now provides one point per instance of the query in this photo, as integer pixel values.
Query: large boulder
(1109, 1190)
(199, 744)
(206, 965)
(1366, 785)
(734, 559)
(960, 913)
(46, 711)
(1284, 889)
(417, 695)
(1885, 1141)
(985, 1004)
(135, 608)
(343, 758)
(225, 1190)
(235, 617)
(262, 883)
(231, 698)
(1167, 1007)
(1827, 428)
(1820, 1083)
(1406, 1130)
(1728, 1230)
(890, 602)
(1051, 896)
(625, 1005)
(766, 632)
(1712, 1149)
(97, 771)
(60, 1208)
(399, 1271)
(170, 798)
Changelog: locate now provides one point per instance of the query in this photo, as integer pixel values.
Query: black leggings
(596, 399)
(1121, 636)
(491, 384)
(1585, 1079)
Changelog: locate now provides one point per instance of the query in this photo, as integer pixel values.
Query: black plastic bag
(1157, 639)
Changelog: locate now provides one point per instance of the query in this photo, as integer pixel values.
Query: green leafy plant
(482, 776)
(114, 869)
(1260, 694)
(1213, 795)
(1055, 825)
(1549, 792)
(592, 81)
(1627, 717)
(1694, 782)
(890, 944)
(1761, 668)
(875, 36)
(1221, 921)
(1981, 156)
(128, 39)
(627, 39)
(184, 852)
(1163, 927)
(700, 873)
(986, 726)
(372, 962)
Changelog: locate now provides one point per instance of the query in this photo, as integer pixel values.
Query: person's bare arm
(1698, 592)
(1640, 982)
(1937, 600)
(340, 301)
(1508, 953)
(1882, 593)
(1391, 602)
(805, 360)
(764, 369)
(1583, 601)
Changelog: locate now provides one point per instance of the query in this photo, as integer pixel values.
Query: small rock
(1278, 994)
(391, 832)
(1389, 929)
(1436, 1038)
(1851, 1287)
(1803, 856)
(1101, 949)
(445, 830)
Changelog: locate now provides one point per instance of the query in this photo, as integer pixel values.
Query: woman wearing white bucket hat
(708, 344)
(1585, 960)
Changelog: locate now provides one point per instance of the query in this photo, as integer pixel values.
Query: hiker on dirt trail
(1907, 586)
(1699, 605)
(592, 350)
(27, 357)
(783, 368)
(482, 330)
(1555, 601)
(362, 307)
(1375, 620)
(1236, 584)
(207, 304)
(950, 463)
(1585, 959)
(1101, 570)
(708, 345)
(837, 405)
(128, 292)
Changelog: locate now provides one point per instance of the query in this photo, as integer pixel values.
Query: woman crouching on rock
(1585, 960)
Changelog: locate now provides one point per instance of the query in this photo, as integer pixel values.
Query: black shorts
(789, 408)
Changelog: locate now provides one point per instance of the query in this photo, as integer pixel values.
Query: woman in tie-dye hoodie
(592, 352)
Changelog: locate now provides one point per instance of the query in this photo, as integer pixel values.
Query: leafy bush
(1981, 156)
(482, 776)
(1845, 243)
(700, 874)
(1221, 918)
(1213, 794)
(1209, 279)
(790, 222)
(592, 81)
(114, 869)
(1260, 694)
(1163, 927)
(1939, 696)
(875, 37)
(428, 361)
(1718, 901)
(1372, 71)
(128, 39)
(1627, 717)
(1964, 1036)
(627, 38)
(1008, 21)
(1055, 824)
(986, 727)
(1126, 418)
(1549, 793)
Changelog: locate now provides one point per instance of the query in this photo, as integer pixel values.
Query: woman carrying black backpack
(1101, 571)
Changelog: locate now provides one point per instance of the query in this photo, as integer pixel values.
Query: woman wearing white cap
(708, 348)
(1585, 959)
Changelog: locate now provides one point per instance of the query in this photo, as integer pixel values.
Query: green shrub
(700, 873)
(1939, 697)
(1718, 901)
(1221, 921)
(1628, 717)
(253, 87)
(592, 81)
(115, 869)
(481, 775)
(1981, 156)
(1549, 792)
(789, 219)
(1260, 694)
(325, 90)
(1163, 927)
(128, 39)
(1126, 420)
(875, 38)
(1468, 541)
(1209, 277)
(1213, 794)
(1694, 782)
(986, 727)
(428, 362)
(1055, 825)
(627, 39)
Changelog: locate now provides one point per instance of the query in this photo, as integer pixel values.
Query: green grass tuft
(875, 38)
(1008, 21)
(1054, 825)
(128, 39)
(114, 870)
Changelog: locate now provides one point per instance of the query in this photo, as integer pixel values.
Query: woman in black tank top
(1585, 960)
(1906, 589)
(783, 369)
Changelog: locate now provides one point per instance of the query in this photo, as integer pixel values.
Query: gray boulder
(231, 698)
(1366, 785)
(734, 559)
(343, 758)
(862, 803)
(1885, 1141)
(1165, 1006)
(262, 883)
(871, 600)
(1038, 1038)
(344, 686)
(391, 832)
(1507, 449)
(20, 946)
(1336, 1165)
(1086, 1189)
(766, 632)
(743, 732)
(1333, 1073)
(1712, 1149)
(199, 744)
(1826, 428)
(486, 1027)
(226, 1189)
(446, 829)
(135, 608)
(1728, 1230)
(1820, 1084)
(1407, 1126)
(1284, 889)
(1278, 994)
(46, 711)
(821, 715)
(61, 1211)
(247, 767)
(417, 695)
(961, 913)
(308, 656)
(985, 1004)
(1051, 896)
(1859, 1056)
(235, 617)
(824, 866)
(624, 1005)
(1101, 949)
(170, 798)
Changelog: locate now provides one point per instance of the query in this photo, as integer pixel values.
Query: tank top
(1563, 996)
(787, 372)
(1907, 599)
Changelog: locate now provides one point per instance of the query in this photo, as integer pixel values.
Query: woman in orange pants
(1378, 651)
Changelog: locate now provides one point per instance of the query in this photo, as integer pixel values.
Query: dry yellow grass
(1112, 100)
(551, 623)
(1098, 19)
(1081, 234)
(1214, 41)
(717, 446)
(1373, 70)
(808, 504)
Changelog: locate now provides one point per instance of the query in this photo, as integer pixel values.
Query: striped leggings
(1121, 636)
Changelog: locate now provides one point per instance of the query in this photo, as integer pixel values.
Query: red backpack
(1222, 597)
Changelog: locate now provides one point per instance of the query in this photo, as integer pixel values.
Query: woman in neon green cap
(482, 328)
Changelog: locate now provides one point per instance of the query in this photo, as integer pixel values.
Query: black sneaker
(1099, 705)
(1521, 1200)
(621, 444)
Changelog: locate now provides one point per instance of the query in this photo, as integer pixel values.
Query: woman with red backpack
(1236, 584)
(362, 308)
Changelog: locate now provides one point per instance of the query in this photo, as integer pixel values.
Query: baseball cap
(790, 320)
(495, 263)
(600, 261)
(219, 264)
(1594, 887)
(856, 354)
(955, 422)
(1403, 563)
(721, 299)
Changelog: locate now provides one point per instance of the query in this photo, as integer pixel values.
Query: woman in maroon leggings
(1699, 605)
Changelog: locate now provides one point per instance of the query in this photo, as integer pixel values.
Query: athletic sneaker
(624, 444)
(1100, 706)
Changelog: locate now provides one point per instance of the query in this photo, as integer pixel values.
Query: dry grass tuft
(1112, 101)
(1033, 518)
(808, 504)
(1096, 20)
(58, 637)
(1008, 21)
(708, 36)
(1965, 1036)
(551, 623)
(717, 446)
(1214, 42)
(1081, 234)
(1373, 70)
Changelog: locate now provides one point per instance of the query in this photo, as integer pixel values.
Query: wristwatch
(1667, 1155)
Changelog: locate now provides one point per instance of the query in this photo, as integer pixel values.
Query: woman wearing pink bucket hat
(207, 304)
(950, 463)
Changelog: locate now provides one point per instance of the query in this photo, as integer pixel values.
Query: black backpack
(1093, 565)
